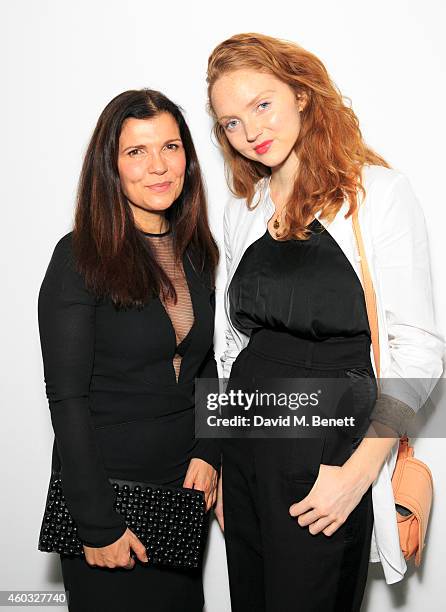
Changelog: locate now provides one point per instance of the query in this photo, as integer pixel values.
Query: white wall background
(61, 63)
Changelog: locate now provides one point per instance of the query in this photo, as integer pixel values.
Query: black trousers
(274, 564)
(141, 589)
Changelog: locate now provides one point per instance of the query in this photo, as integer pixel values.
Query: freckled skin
(273, 116)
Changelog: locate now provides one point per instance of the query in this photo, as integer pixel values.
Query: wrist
(360, 470)
(366, 462)
(205, 461)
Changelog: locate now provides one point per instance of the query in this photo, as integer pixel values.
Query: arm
(416, 349)
(203, 468)
(231, 351)
(403, 274)
(208, 449)
(67, 324)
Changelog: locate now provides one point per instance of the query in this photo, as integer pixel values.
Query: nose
(252, 131)
(156, 164)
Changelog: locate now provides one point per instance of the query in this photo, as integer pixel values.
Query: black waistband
(333, 352)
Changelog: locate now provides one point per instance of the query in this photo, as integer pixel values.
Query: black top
(305, 287)
(116, 407)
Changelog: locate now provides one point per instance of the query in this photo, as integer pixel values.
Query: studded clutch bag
(171, 522)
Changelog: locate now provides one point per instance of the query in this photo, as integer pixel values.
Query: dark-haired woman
(299, 514)
(126, 316)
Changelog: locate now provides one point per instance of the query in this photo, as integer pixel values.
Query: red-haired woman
(299, 514)
(126, 315)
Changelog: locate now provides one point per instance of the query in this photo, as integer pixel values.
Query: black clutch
(171, 522)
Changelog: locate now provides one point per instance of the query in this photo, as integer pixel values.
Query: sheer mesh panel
(181, 314)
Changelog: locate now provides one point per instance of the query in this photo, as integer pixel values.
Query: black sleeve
(67, 335)
(209, 449)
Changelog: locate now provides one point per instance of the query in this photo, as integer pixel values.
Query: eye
(134, 152)
(231, 125)
(263, 105)
(172, 146)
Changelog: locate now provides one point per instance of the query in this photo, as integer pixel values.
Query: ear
(302, 100)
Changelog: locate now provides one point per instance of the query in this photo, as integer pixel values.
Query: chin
(271, 160)
(276, 158)
(158, 206)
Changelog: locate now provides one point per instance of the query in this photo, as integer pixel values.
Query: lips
(263, 147)
(160, 187)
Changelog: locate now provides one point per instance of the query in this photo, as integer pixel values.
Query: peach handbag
(411, 480)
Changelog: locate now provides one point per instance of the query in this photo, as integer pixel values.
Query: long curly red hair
(330, 146)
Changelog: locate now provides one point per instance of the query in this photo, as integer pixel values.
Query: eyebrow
(260, 95)
(142, 146)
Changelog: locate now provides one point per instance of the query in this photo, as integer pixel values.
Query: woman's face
(259, 114)
(151, 162)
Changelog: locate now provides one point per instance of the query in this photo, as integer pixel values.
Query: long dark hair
(112, 255)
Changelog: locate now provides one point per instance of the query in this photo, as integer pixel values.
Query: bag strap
(372, 312)
(405, 450)
(369, 292)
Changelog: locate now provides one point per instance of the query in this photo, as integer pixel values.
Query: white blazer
(395, 240)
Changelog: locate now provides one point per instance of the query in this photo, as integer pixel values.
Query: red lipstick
(263, 147)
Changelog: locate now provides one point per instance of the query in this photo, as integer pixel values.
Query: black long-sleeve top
(116, 405)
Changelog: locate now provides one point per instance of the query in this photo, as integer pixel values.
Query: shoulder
(237, 208)
(388, 190)
(382, 180)
(390, 201)
(62, 276)
(62, 262)
(63, 251)
(233, 207)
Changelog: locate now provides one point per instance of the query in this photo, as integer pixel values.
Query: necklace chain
(276, 222)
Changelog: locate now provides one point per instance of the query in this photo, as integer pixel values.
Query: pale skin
(151, 154)
(253, 108)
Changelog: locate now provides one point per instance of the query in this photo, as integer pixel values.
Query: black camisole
(307, 288)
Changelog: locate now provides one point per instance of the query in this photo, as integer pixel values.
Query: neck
(283, 177)
(149, 221)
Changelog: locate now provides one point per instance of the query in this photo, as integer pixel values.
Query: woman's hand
(202, 476)
(117, 554)
(218, 510)
(331, 500)
(338, 490)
